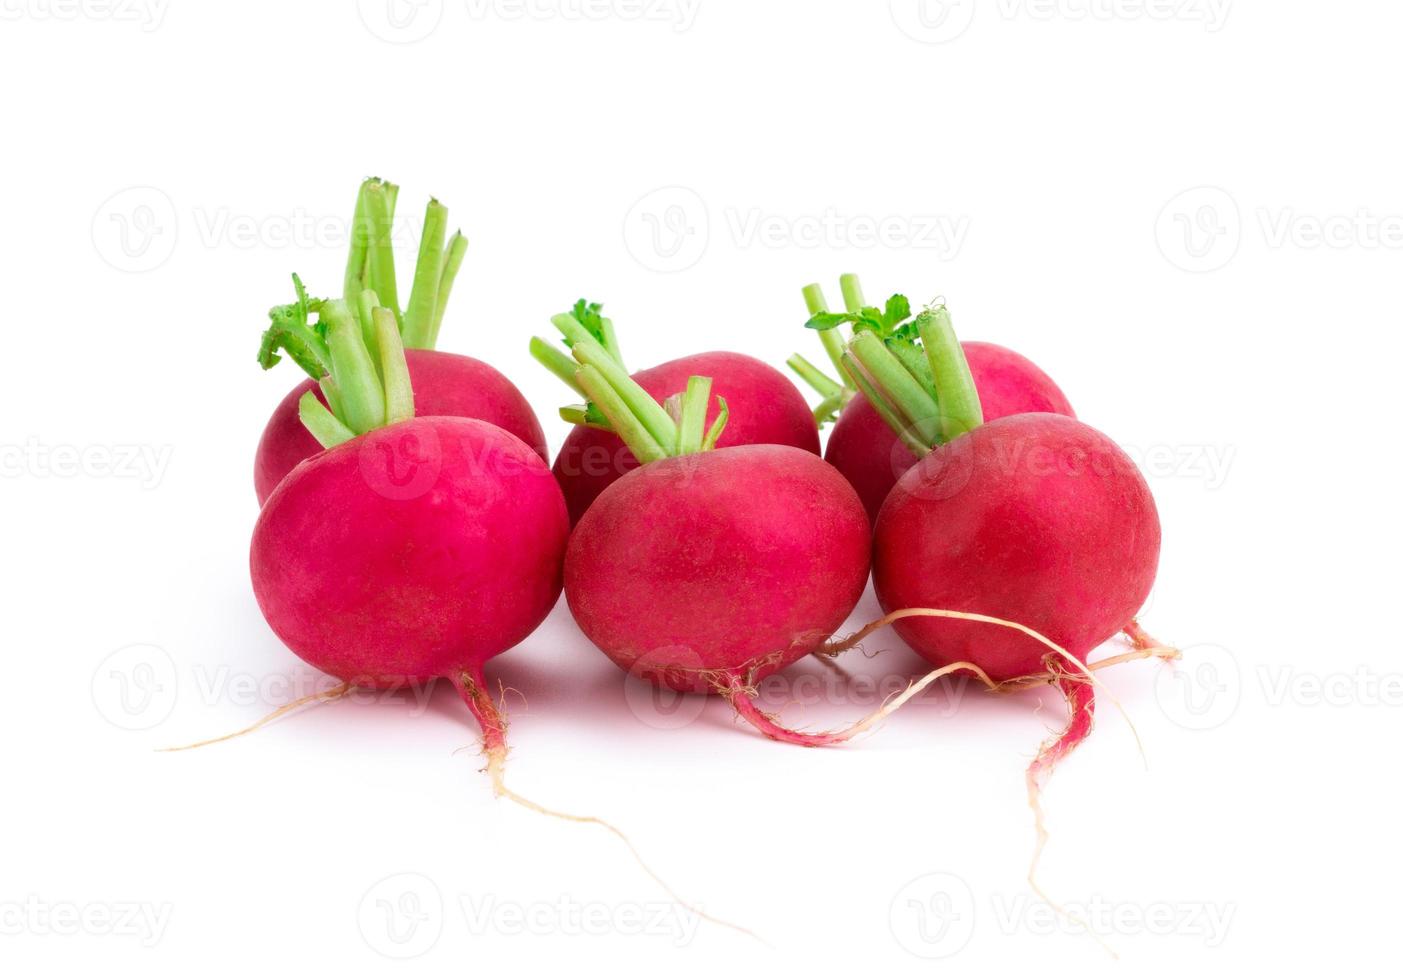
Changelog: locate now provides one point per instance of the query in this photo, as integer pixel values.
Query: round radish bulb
(873, 458)
(444, 384)
(766, 409)
(705, 568)
(1038, 519)
(412, 548)
(413, 552)
(712, 570)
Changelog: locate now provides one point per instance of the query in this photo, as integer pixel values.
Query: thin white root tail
(322, 697)
(496, 763)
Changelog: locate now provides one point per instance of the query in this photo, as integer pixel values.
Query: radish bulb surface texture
(765, 407)
(861, 445)
(1013, 547)
(443, 384)
(411, 548)
(708, 568)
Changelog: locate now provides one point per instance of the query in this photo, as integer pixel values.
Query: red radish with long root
(765, 407)
(707, 568)
(862, 446)
(443, 384)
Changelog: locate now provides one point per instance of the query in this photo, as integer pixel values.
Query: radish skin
(765, 408)
(708, 571)
(416, 551)
(444, 384)
(873, 458)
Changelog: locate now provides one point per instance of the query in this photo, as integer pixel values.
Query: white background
(1133, 194)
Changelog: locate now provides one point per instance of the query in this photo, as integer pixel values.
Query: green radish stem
(556, 361)
(691, 423)
(619, 404)
(960, 410)
(452, 262)
(380, 261)
(925, 393)
(362, 395)
(852, 292)
(399, 393)
(326, 428)
(428, 273)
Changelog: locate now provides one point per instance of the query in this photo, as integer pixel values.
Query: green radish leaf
(588, 315)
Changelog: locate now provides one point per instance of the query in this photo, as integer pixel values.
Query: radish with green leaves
(862, 445)
(444, 384)
(1014, 547)
(766, 408)
(410, 548)
(708, 567)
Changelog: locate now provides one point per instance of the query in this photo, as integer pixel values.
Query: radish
(1014, 547)
(412, 548)
(766, 408)
(708, 568)
(443, 384)
(861, 445)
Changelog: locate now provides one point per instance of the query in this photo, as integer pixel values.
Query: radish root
(472, 686)
(321, 697)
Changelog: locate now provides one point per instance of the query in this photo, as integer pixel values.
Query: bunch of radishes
(410, 529)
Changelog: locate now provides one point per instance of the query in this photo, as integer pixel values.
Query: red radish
(1038, 519)
(873, 458)
(708, 568)
(411, 548)
(766, 408)
(444, 384)
(1014, 547)
(862, 446)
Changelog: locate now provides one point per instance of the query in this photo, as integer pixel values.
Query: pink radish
(707, 569)
(444, 384)
(766, 408)
(861, 445)
(411, 548)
